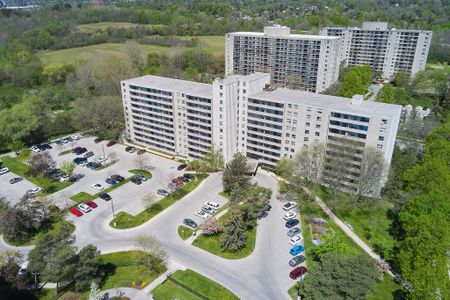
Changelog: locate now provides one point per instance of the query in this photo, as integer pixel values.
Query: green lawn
(184, 232)
(83, 196)
(445, 68)
(212, 243)
(123, 268)
(124, 220)
(385, 290)
(200, 284)
(214, 44)
(17, 166)
(92, 27)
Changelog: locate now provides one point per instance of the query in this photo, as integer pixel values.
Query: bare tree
(308, 164)
(210, 226)
(149, 199)
(39, 163)
(151, 255)
(295, 82)
(112, 156)
(333, 174)
(141, 162)
(371, 172)
(134, 53)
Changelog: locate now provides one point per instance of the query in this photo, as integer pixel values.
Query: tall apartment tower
(244, 113)
(386, 50)
(309, 62)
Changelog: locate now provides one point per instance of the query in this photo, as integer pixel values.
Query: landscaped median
(184, 232)
(18, 167)
(83, 196)
(124, 220)
(191, 285)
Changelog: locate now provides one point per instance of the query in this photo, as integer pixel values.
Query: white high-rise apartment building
(310, 62)
(386, 50)
(245, 114)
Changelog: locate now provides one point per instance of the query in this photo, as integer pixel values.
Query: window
(307, 124)
(294, 121)
(309, 108)
(306, 131)
(288, 127)
(286, 149)
(383, 122)
(308, 116)
(319, 118)
(381, 138)
(293, 143)
(288, 134)
(288, 120)
(319, 110)
(294, 128)
(317, 133)
(382, 130)
(221, 94)
(221, 87)
(305, 139)
(379, 146)
(292, 150)
(317, 125)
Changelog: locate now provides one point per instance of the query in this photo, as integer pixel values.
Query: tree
(149, 199)
(295, 82)
(234, 237)
(55, 73)
(37, 39)
(67, 167)
(212, 161)
(423, 250)
(356, 81)
(333, 243)
(370, 173)
(236, 173)
(89, 268)
(151, 256)
(141, 161)
(340, 277)
(210, 226)
(10, 262)
(134, 54)
(256, 201)
(39, 163)
(94, 291)
(386, 95)
(307, 165)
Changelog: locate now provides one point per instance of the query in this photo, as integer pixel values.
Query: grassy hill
(92, 27)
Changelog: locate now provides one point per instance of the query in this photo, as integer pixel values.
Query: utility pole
(112, 207)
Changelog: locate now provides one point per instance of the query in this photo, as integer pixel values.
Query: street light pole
(112, 207)
(103, 149)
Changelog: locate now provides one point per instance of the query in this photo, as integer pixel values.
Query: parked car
(297, 260)
(141, 177)
(76, 212)
(136, 180)
(64, 178)
(293, 231)
(296, 250)
(59, 142)
(93, 165)
(130, 149)
(173, 186)
(83, 163)
(292, 222)
(80, 151)
(140, 152)
(296, 240)
(111, 143)
(91, 204)
(88, 154)
(102, 159)
(298, 272)
(97, 186)
(35, 149)
(181, 167)
(290, 215)
(79, 160)
(208, 209)
(76, 177)
(162, 192)
(34, 191)
(184, 179)
(290, 205)
(75, 149)
(84, 208)
(212, 204)
(15, 180)
(117, 178)
(202, 214)
(105, 196)
(4, 171)
(190, 223)
(75, 137)
(188, 176)
(98, 140)
(110, 181)
(177, 181)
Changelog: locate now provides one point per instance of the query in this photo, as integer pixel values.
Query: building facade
(246, 114)
(386, 50)
(307, 62)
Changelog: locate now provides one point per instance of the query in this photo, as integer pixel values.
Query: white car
(35, 149)
(34, 191)
(84, 208)
(64, 178)
(212, 204)
(97, 186)
(4, 171)
(290, 215)
(202, 214)
(290, 205)
(75, 137)
(102, 159)
(296, 240)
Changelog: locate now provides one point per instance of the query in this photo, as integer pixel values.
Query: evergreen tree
(236, 173)
(234, 237)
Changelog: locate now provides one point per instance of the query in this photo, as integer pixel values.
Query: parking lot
(13, 192)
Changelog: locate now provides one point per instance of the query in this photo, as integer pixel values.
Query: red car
(75, 149)
(91, 204)
(110, 143)
(76, 212)
(297, 272)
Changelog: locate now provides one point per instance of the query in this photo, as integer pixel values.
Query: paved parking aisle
(13, 192)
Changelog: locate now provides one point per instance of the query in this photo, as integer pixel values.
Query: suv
(188, 176)
(141, 177)
(105, 196)
(80, 151)
(190, 223)
(136, 180)
(84, 207)
(79, 160)
(292, 222)
(117, 177)
(297, 272)
(110, 181)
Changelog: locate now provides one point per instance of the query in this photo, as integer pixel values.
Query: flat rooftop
(173, 85)
(338, 104)
(389, 29)
(308, 37)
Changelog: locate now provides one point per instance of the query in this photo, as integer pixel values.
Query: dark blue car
(110, 181)
(79, 160)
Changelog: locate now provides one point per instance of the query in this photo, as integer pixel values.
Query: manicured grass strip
(124, 220)
(184, 232)
(123, 268)
(385, 290)
(16, 166)
(65, 152)
(198, 283)
(106, 166)
(212, 243)
(83, 196)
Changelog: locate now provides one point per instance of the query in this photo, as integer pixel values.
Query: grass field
(124, 220)
(445, 68)
(200, 284)
(212, 243)
(212, 44)
(92, 27)
(184, 232)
